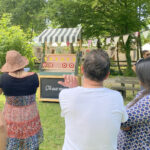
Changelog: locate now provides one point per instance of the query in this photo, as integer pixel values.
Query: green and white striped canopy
(60, 35)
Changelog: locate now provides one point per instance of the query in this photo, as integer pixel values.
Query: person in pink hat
(20, 112)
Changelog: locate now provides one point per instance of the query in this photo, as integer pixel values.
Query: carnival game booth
(55, 66)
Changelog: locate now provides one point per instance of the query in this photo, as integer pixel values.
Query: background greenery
(13, 38)
(98, 18)
(22, 20)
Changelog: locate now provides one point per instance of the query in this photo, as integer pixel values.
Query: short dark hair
(96, 65)
(144, 51)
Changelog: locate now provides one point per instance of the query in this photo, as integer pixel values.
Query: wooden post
(50, 47)
(140, 45)
(118, 64)
(45, 47)
(80, 43)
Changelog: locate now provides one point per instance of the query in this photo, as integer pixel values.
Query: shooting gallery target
(56, 62)
(71, 65)
(64, 65)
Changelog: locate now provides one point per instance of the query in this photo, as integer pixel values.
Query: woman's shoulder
(145, 100)
(28, 75)
(3, 76)
(33, 74)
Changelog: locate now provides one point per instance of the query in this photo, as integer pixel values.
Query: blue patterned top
(138, 137)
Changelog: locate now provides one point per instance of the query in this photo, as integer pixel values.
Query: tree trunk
(127, 45)
(140, 45)
(71, 48)
(127, 48)
(139, 36)
(118, 64)
(98, 44)
(138, 48)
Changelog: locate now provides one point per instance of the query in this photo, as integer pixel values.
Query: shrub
(13, 38)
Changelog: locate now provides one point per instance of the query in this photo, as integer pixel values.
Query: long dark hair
(143, 73)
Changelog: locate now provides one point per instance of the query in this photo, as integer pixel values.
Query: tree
(63, 13)
(28, 14)
(13, 38)
(102, 18)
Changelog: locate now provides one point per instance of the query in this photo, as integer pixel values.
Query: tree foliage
(98, 18)
(102, 18)
(29, 14)
(13, 38)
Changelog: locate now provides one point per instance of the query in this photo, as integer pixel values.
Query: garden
(121, 32)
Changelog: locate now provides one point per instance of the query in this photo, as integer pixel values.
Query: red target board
(64, 65)
(71, 65)
(59, 62)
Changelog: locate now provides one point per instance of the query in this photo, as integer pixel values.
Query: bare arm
(3, 133)
(126, 128)
(134, 68)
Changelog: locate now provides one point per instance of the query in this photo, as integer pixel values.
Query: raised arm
(69, 81)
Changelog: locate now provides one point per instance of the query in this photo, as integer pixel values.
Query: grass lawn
(53, 124)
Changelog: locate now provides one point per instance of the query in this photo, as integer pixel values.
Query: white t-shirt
(92, 118)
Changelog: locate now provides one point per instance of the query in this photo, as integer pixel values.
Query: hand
(69, 81)
(3, 132)
(126, 128)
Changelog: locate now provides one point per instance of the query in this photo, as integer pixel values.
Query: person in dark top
(146, 54)
(20, 111)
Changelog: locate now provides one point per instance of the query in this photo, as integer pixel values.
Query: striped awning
(60, 35)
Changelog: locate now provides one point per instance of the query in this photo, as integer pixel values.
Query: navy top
(13, 86)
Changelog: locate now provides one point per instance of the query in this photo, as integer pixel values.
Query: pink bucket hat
(14, 61)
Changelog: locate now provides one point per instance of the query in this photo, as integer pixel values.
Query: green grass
(53, 126)
(52, 123)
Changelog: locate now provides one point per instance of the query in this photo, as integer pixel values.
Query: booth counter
(55, 66)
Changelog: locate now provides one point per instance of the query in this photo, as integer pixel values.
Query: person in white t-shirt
(93, 113)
